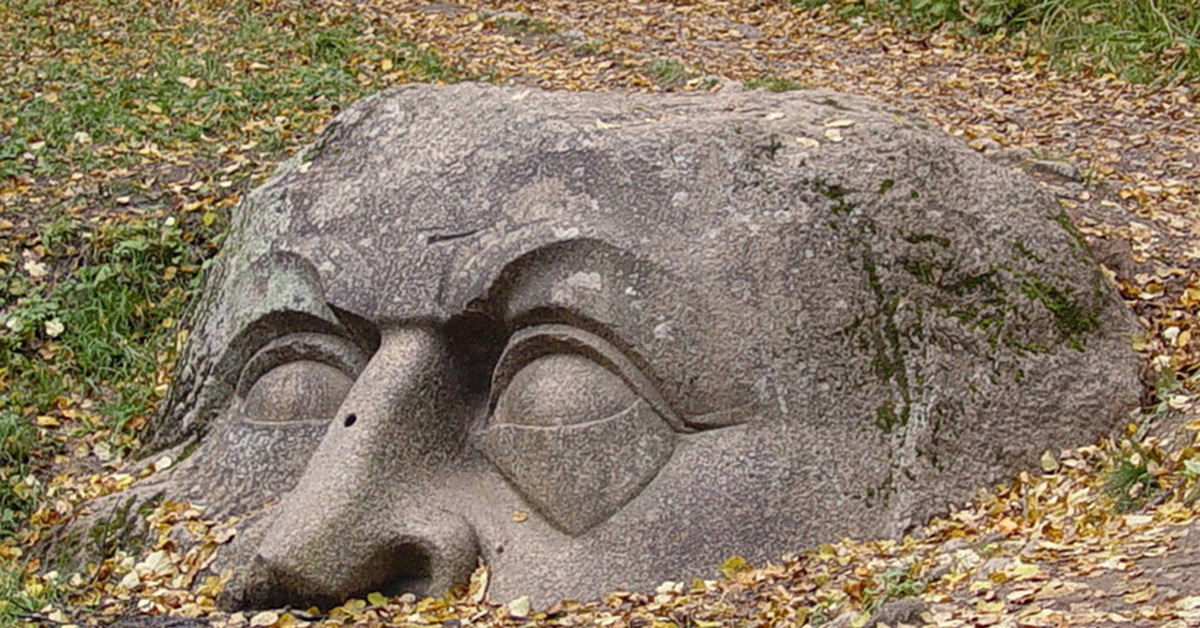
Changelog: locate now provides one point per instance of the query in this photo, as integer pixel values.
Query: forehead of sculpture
(666, 228)
(430, 219)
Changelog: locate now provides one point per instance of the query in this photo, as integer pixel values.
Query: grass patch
(98, 326)
(775, 84)
(527, 26)
(1130, 478)
(667, 73)
(192, 79)
(23, 595)
(127, 132)
(1138, 40)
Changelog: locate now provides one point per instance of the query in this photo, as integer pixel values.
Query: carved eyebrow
(271, 326)
(624, 298)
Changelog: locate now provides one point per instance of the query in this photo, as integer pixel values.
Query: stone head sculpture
(598, 341)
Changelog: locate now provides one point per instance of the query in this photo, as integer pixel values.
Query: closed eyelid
(538, 341)
(330, 349)
(584, 425)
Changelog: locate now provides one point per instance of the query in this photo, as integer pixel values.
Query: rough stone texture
(602, 340)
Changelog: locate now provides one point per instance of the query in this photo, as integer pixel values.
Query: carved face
(476, 326)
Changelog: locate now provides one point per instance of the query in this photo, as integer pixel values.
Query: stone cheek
(577, 476)
(242, 465)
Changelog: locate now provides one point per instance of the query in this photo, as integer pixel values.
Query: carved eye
(574, 426)
(300, 378)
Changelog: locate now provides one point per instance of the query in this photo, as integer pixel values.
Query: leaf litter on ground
(120, 113)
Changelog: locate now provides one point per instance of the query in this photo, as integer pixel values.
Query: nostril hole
(409, 571)
(350, 419)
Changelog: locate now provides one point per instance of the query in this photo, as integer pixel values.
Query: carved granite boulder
(601, 340)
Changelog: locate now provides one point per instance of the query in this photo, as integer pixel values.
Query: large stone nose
(366, 515)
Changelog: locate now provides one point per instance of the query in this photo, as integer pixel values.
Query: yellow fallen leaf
(1134, 521)
(376, 598)
(46, 420)
(833, 135)
(477, 588)
(1189, 603)
(520, 516)
(37, 270)
(1022, 571)
(604, 126)
(839, 124)
(808, 142)
(1138, 597)
(519, 607)
(1049, 463)
(264, 619)
(1021, 596)
(352, 607)
(990, 607)
(732, 565)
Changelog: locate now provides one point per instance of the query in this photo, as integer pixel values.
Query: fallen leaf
(519, 607)
(37, 270)
(808, 142)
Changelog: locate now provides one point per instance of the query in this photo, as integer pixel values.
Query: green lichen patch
(1078, 241)
(1072, 319)
(922, 238)
(1022, 251)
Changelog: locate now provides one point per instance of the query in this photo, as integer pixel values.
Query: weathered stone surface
(601, 340)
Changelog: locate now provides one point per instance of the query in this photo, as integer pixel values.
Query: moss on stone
(1079, 242)
(835, 104)
(921, 238)
(1071, 318)
(1020, 250)
(837, 194)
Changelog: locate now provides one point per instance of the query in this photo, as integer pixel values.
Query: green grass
(20, 596)
(1138, 40)
(127, 132)
(99, 328)
(774, 84)
(524, 26)
(1128, 479)
(97, 98)
(667, 73)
